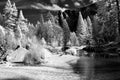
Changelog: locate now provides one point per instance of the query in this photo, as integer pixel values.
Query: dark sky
(61, 3)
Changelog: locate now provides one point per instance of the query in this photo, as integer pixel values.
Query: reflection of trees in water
(85, 67)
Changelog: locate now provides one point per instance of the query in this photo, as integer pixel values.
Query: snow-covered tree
(74, 39)
(32, 30)
(96, 30)
(18, 35)
(43, 42)
(81, 30)
(8, 8)
(66, 30)
(90, 30)
(58, 34)
(42, 19)
(89, 24)
(14, 10)
(10, 15)
(2, 35)
(22, 22)
(10, 39)
(51, 17)
(1, 19)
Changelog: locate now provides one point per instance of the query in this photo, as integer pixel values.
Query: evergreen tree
(96, 30)
(1, 19)
(51, 17)
(21, 16)
(90, 30)
(86, 28)
(66, 31)
(81, 30)
(18, 35)
(8, 8)
(2, 35)
(22, 22)
(108, 20)
(43, 42)
(74, 39)
(21, 30)
(58, 34)
(10, 15)
(15, 11)
(48, 32)
(89, 24)
(41, 19)
(32, 30)
(10, 39)
(49, 23)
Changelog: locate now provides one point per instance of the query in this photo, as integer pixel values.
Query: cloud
(77, 4)
(54, 7)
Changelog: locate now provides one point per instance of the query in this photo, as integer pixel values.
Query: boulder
(32, 56)
(71, 51)
(17, 55)
(37, 55)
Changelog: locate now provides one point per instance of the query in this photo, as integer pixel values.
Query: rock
(71, 51)
(17, 56)
(37, 55)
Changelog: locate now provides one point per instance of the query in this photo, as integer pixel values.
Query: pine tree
(51, 17)
(49, 31)
(43, 42)
(41, 19)
(2, 35)
(10, 15)
(10, 39)
(66, 31)
(89, 22)
(32, 30)
(58, 34)
(19, 35)
(74, 39)
(1, 19)
(90, 30)
(22, 22)
(96, 30)
(8, 8)
(49, 23)
(81, 30)
(15, 11)
(86, 33)
(21, 16)
(80, 24)
(39, 29)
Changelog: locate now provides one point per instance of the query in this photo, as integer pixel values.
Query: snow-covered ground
(57, 68)
(50, 71)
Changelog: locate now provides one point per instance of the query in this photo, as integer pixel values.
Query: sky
(60, 3)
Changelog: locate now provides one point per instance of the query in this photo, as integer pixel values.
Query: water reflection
(90, 67)
(85, 66)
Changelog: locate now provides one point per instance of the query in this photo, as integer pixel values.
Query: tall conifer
(10, 15)
(66, 30)
(22, 22)
(81, 29)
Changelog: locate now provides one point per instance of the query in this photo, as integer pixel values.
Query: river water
(91, 68)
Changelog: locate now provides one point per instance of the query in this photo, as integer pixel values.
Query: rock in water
(71, 51)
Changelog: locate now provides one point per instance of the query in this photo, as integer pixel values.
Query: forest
(60, 40)
(99, 32)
